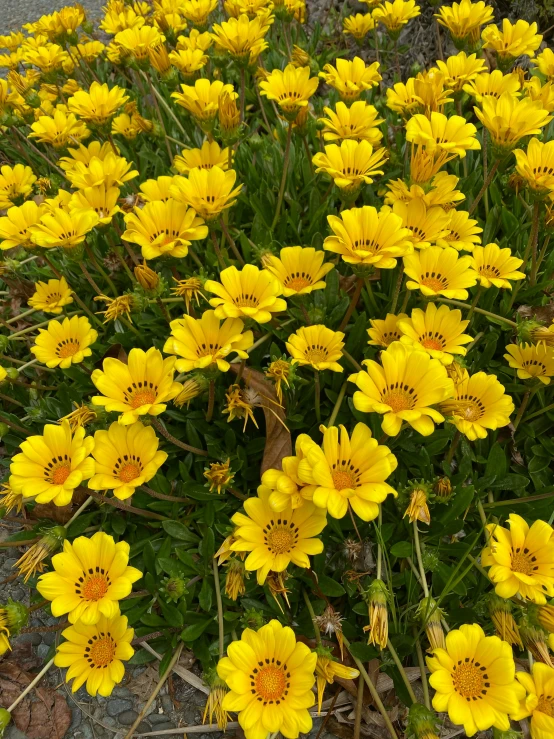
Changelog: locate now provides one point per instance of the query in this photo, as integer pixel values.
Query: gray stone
(157, 718)
(127, 718)
(144, 727)
(109, 721)
(122, 692)
(12, 732)
(167, 703)
(49, 638)
(166, 725)
(8, 564)
(76, 718)
(42, 650)
(18, 593)
(116, 706)
(84, 731)
(34, 639)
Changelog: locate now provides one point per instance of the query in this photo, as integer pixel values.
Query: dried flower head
(219, 475)
(33, 560)
(79, 417)
(116, 307)
(377, 597)
(500, 611)
(189, 290)
(234, 579)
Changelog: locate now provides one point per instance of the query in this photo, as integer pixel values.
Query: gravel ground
(14, 13)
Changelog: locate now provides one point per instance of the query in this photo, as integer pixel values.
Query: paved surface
(14, 13)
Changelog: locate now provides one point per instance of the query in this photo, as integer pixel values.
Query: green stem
(539, 413)
(283, 178)
(231, 242)
(21, 315)
(397, 287)
(474, 302)
(352, 304)
(423, 672)
(312, 616)
(516, 501)
(486, 183)
(532, 245)
(521, 410)
(32, 328)
(420, 561)
(398, 663)
(352, 361)
(211, 401)
(479, 310)
(453, 446)
(370, 294)
(164, 432)
(31, 685)
(338, 403)
(220, 621)
(317, 399)
(379, 550)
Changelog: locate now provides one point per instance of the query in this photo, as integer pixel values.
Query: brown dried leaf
(116, 351)
(60, 514)
(278, 442)
(542, 313)
(143, 685)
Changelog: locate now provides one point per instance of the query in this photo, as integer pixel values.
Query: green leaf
(179, 531)
(207, 545)
(330, 587)
(401, 549)
(460, 502)
(193, 631)
(497, 464)
(205, 595)
(141, 657)
(363, 652)
(172, 614)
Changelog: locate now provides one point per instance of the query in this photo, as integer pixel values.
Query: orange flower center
(398, 400)
(297, 283)
(67, 348)
(280, 540)
(472, 411)
(60, 475)
(246, 301)
(470, 679)
(143, 397)
(270, 683)
(521, 562)
(546, 705)
(315, 356)
(129, 472)
(95, 587)
(436, 284)
(343, 479)
(489, 271)
(102, 652)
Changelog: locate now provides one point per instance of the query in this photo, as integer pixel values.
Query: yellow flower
(441, 190)
(492, 84)
(15, 226)
(350, 164)
(495, 266)
(521, 559)
(290, 89)
(195, 40)
(85, 154)
(545, 62)
(191, 389)
(210, 155)
(251, 8)
(89, 577)
(119, 19)
(531, 360)
(351, 77)
(140, 387)
(109, 171)
(101, 199)
(243, 39)
(51, 466)
(66, 343)
(95, 654)
(99, 104)
(300, 270)
(279, 371)
(316, 346)
(116, 307)
(282, 682)
(540, 93)
(326, 670)
(366, 236)
(206, 341)
(250, 292)
(10, 500)
(89, 51)
(461, 69)
(384, 332)
(464, 20)
(138, 40)
(126, 458)
(417, 509)
(513, 40)
(479, 403)
(404, 388)
(124, 125)
(425, 93)
(274, 542)
(360, 122)
(189, 289)
(395, 15)
(229, 116)
(438, 331)
(58, 129)
(536, 165)
(158, 55)
(164, 228)
(358, 25)
(188, 61)
(81, 416)
(539, 702)
(440, 271)
(509, 119)
(33, 560)
(59, 228)
(198, 11)
(202, 98)
(284, 488)
(378, 626)
(474, 679)
(208, 191)
(158, 189)
(47, 57)
(219, 476)
(427, 225)
(347, 471)
(463, 232)
(16, 184)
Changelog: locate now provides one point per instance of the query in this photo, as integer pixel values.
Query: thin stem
(78, 300)
(317, 397)
(338, 403)
(485, 168)
(283, 178)
(370, 295)
(353, 303)
(21, 315)
(543, 251)
(89, 278)
(352, 361)
(220, 621)
(439, 40)
(160, 118)
(309, 155)
(164, 432)
(423, 672)
(453, 446)
(312, 616)
(479, 310)
(99, 268)
(539, 413)
(526, 398)
(14, 426)
(168, 108)
(242, 92)
(32, 328)
(379, 551)
(359, 707)
(474, 302)
(123, 507)
(398, 663)
(79, 510)
(532, 246)
(397, 287)
(211, 401)
(217, 250)
(31, 685)
(231, 242)
(39, 152)
(420, 561)
(486, 183)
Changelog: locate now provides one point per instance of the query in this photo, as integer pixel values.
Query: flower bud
(5, 718)
(16, 615)
(500, 611)
(146, 277)
(422, 723)
(377, 597)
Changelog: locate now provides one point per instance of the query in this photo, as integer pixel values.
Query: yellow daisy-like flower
(15, 226)
(464, 20)
(188, 61)
(95, 654)
(358, 25)
(367, 236)
(442, 138)
(300, 270)
(351, 164)
(474, 679)
(347, 471)
(109, 171)
(326, 670)
(164, 227)
(536, 165)
(101, 199)
(495, 267)
(242, 38)
(538, 704)
(461, 69)
(66, 343)
(440, 271)
(351, 77)
(545, 62)
(404, 388)
(531, 360)
(16, 184)
(395, 15)
(463, 232)
(515, 39)
(206, 341)
(202, 98)
(280, 671)
(195, 40)
(540, 93)
(57, 227)
(425, 93)
(208, 191)
(479, 403)
(273, 542)
(158, 189)
(219, 476)
(284, 488)
(88, 51)
(198, 11)
(492, 84)
(99, 104)
(47, 57)
(140, 387)
(51, 466)
(250, 292)
(384, 332)
(521, 559)
(126, 457)
(124, 125)
(210, 155)
(138, 40)
(437, 330)
(427, 225)
(251, 8)
(85, 154)
(316, 346)
(58, 129)
(359, 121)
(508, 119)
(290, 89)
(89, 577)
(441, 190)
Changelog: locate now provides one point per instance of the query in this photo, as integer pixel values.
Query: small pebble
(42, 650)
(167, 703)
(35, 639)
(127, 718)
(118, 705)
